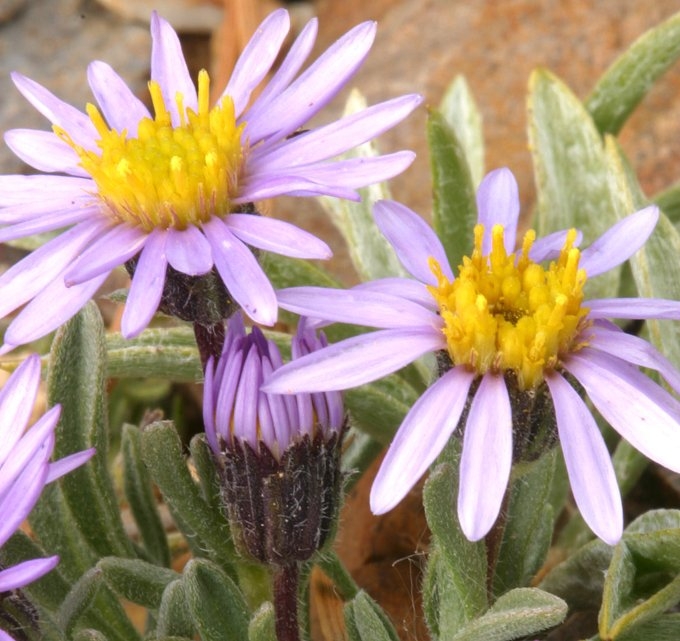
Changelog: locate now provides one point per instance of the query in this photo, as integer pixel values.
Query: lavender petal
(589, 466)
(354, 361)
(188, 251)
(634, 308)
(421, 437)
(147, 285)
(24, 573)
(619, 242)
(241, 273)
(413, 240)
(498, 204)
(277, 236)
(486, 459)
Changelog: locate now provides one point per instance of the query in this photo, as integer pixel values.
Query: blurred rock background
(421, 46)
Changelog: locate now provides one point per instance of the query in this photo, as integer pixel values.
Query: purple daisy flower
(506, 323)
(278, 456)
(172, 189)
(25, 468)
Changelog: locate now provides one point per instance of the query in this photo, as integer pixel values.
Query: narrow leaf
(174, 618)
(455, 207)
(135, 580)
(368, 621)
(139, 494)
(215, 602)
(78, 600)
(76, 379)
(627, 81)
(460, 111)
(517, 614)
(570, 169)
(261, 626)
(206, 528)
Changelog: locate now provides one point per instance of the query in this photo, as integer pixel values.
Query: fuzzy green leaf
(529, 528)
(76, 379)
(460, 111)
(204, 527)
(580, 579)
(137, 581)
(215, 602)
(261, 626)
(454, 213)
(139, 494)
(461, 573)
(174, 618)
(519, 613)
(379, 408)
(169, 354)
(367, 621)
(77, 601)
(627, 81)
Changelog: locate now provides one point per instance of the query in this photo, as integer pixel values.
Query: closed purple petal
(241, 273)
(619, 242)
(52, 307)
(641, 411)
(257, 58)
(44, 151)
(634, 308)
(246, 402)
(277, 236)
(227, 394)
(354, 361)
(498, 204)
(295, 58)
(549, 247)
(486, 459)
(413, 240)
(360, 307)
(316, 86)
(17, 189)
(632, 349)
(169, 69)
(336, 137)
(188, 251)
(589, 466)
(29, 276)
(421, 437)
(121, 108)
(147, 285)
(48, 222)
(58, 112)
(24, 573)
(113, 248)
(57, 469)
(16, 403)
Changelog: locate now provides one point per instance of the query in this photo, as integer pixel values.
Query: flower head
(171, 193)
(279, 456)
(25, 468)
(509, 325)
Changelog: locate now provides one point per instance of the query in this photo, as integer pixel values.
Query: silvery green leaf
(454, 213)
(460, 111)
(571, 170)
(629, 78)
(366, 621)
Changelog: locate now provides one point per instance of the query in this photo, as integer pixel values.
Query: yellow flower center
(506, 312)
(167, 176)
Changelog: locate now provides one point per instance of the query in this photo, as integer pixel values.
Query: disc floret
(167, 176)
(507, 312)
